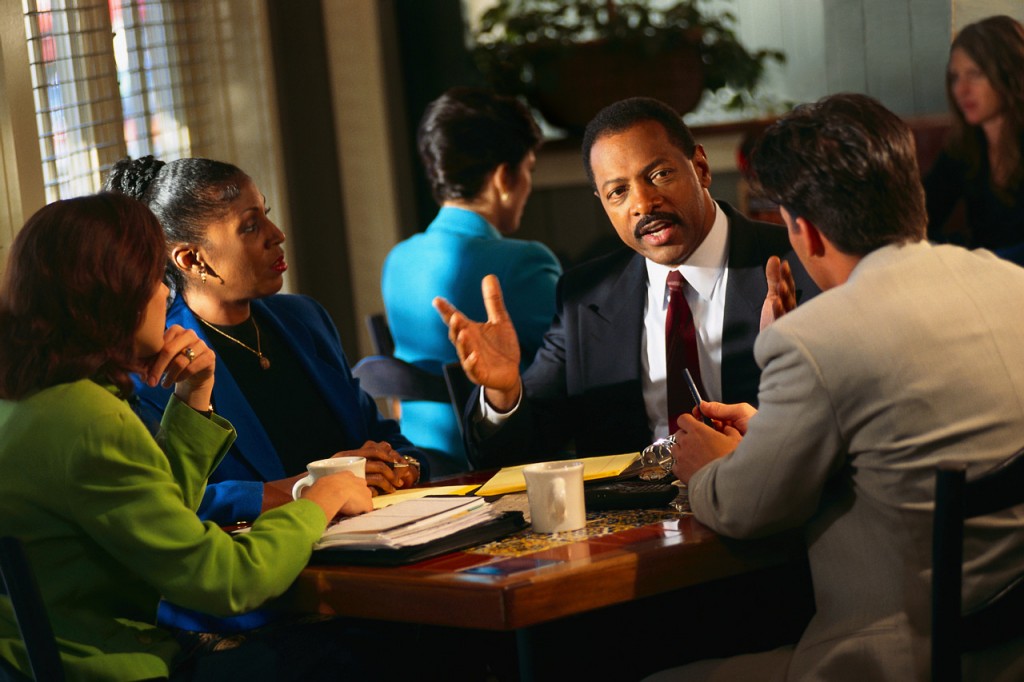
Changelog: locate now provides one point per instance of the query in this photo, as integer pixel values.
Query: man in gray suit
(912, 355)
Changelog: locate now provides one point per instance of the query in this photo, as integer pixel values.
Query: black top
(993, 222)
(295, 415)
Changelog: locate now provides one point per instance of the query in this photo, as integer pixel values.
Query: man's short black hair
(626, 113)
(849, 166)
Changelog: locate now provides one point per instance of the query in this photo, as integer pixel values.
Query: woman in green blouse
(106, 514)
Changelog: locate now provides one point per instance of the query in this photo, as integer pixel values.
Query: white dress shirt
(706, 275)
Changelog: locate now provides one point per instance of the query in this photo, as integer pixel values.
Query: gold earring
(504, 196)
(202, 272)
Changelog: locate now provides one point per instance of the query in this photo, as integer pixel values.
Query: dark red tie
(680, 351)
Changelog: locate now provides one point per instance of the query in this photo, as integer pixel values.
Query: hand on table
(187, 363)
(488, 351)
(341, 493)
(381, 470)
(781, 296)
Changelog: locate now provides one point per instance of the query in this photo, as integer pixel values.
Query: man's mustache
(657, 216)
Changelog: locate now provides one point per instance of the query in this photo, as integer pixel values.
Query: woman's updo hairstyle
(185, 195)
(468, 132)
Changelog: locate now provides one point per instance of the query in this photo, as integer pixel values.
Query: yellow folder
(510, 479)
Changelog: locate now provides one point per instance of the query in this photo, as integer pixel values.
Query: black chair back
(380, 334)
(460, 388)
(997, 620)
(21, 588)
(392, 380)
(384, 376)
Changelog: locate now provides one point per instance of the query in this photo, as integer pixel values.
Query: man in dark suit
(598, 383)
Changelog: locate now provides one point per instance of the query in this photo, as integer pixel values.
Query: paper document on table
(510, 479)
(382, 501)
(411, 522)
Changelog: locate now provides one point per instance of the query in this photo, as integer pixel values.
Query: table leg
(526, 654)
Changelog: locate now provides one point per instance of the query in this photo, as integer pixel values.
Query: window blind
(113, 77)
(74, 82)
(159, 53)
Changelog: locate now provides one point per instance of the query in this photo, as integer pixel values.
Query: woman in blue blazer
(479, 152)
(282, 377)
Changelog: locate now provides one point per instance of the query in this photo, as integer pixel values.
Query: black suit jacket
(584, 386)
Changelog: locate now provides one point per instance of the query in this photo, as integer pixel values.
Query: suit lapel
(251, 442)
(746, 288)
(324, 365)
(611, 322)
(744, 297)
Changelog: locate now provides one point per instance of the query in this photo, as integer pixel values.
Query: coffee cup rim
(560, 465)
(336, 461)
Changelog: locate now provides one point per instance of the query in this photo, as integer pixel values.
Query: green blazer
(108, 520)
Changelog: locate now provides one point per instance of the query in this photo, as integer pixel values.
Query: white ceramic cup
(555, 491)
(325, 467)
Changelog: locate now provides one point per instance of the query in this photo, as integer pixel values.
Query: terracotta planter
(570, 86)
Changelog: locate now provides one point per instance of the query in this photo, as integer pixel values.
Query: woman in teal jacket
(478, 150)
(106, 515)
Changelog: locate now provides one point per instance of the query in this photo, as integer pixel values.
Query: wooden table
(529, 580)
(459, 590)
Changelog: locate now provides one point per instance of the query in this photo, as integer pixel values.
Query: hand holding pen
(727, 418)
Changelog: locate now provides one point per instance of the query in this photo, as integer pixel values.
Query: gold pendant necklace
(257, 351)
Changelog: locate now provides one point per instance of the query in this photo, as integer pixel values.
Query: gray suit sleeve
(776, 477)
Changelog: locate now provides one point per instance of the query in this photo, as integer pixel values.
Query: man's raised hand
(781, 297)
(488, 351)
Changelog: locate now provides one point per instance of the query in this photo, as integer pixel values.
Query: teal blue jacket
(108, 519)
(449, 259)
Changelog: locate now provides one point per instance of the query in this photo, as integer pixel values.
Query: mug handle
(300, 484)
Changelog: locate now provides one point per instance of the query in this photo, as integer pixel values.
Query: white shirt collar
(703, 269)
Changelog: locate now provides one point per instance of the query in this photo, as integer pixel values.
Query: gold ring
(190, 354)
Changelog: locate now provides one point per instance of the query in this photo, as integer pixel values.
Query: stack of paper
(408, 523)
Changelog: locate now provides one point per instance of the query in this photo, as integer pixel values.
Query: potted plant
(569, 58)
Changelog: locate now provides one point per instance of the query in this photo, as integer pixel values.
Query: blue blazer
(236, 486)
(449, 259)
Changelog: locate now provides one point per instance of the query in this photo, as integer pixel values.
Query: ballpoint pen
(696, 395)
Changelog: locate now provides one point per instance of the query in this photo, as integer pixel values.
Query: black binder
(507, 522)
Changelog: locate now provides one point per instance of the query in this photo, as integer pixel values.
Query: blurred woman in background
(106, 515)
(478, 150)
(983, 162)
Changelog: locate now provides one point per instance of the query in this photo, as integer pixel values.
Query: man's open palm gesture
(488, 351)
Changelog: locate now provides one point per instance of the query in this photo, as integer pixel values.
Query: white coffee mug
(325, 467)
(555, 492)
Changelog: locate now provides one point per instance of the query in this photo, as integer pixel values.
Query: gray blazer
(917, 359)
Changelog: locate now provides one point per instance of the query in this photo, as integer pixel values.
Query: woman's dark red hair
(79, 275)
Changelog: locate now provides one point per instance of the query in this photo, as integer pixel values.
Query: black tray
(508, 522)
(629, 494)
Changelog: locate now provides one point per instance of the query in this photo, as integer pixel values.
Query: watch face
(656, 459)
